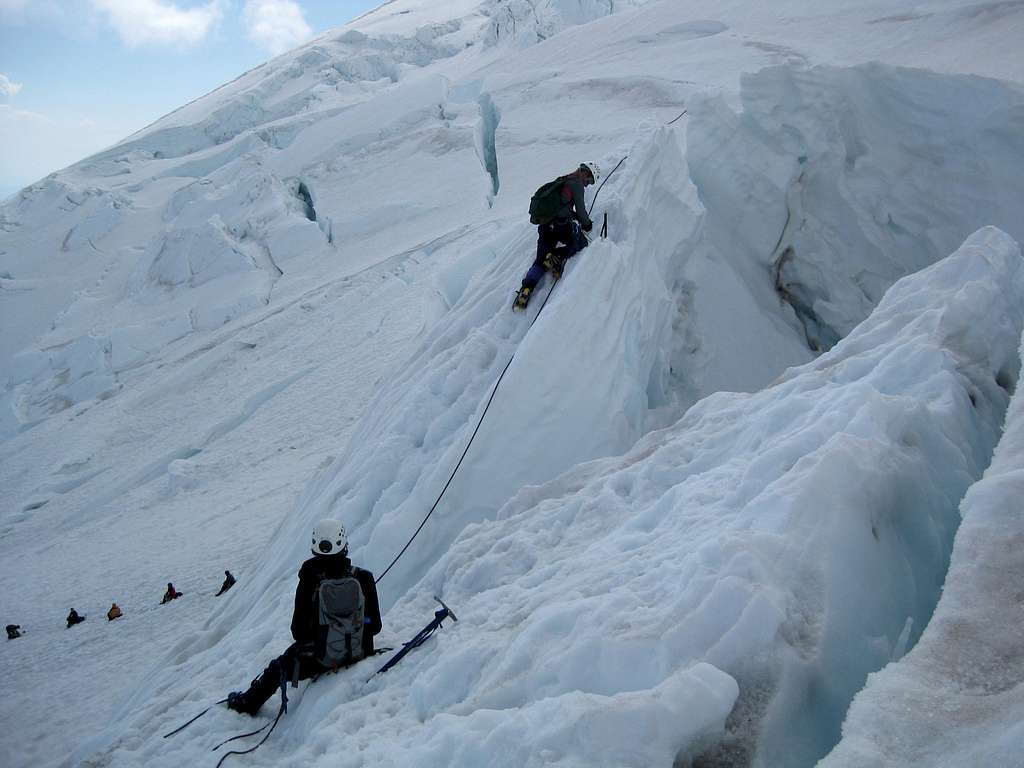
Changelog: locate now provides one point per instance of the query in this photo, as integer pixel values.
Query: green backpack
(546, 201)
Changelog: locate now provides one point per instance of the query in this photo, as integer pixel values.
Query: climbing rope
(676, 117)
(186, 725)
(601, 185)
(479, 422)
(613, 170)
(272, 726)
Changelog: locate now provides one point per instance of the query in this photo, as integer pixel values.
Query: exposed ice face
(956, 698)
(847, 179)
(525, 22)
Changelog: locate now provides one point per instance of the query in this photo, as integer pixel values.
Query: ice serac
(958, 697)
(524, 22)
(785, 537)
(841, 180)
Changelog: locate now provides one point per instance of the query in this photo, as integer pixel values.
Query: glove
(588, 226)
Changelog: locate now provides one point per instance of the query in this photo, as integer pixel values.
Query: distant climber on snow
(229, 582)
(114, 612)
(13, 631)
(74, 618)
(559, 210)
(170, 594)
(335, 618)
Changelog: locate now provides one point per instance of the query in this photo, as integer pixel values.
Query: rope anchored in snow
(182, 727)
(613, 170)
(273, 725)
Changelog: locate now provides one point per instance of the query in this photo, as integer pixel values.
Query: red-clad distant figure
(170, 594)
(114, 612)
(229, 582)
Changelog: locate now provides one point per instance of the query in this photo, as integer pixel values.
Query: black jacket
(229, 582)
(305, 620)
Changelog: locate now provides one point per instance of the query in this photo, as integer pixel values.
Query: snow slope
(289, 298)
(767, 550)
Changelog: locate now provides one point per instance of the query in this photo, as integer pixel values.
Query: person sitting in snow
(330, 585)
(170, 594)
(13, 631)
(560, 212)
(114, 612)
(229, 582)
(74, 618)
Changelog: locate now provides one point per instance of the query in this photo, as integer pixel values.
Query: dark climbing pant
(267, 684)
(564, 239)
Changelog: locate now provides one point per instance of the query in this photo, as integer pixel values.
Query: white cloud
(277, 25)
(156, 21)
(7, 88)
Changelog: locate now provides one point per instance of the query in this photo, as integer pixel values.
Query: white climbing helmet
(329, 538)
(594, 168)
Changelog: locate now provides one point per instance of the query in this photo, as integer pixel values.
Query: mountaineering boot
(263, 686)
(550, 261)
(238, 701)
(557, 267)
(522, 298)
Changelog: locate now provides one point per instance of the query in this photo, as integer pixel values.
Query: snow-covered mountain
(718, 486)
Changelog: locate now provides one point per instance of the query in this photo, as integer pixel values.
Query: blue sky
(79, 75)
